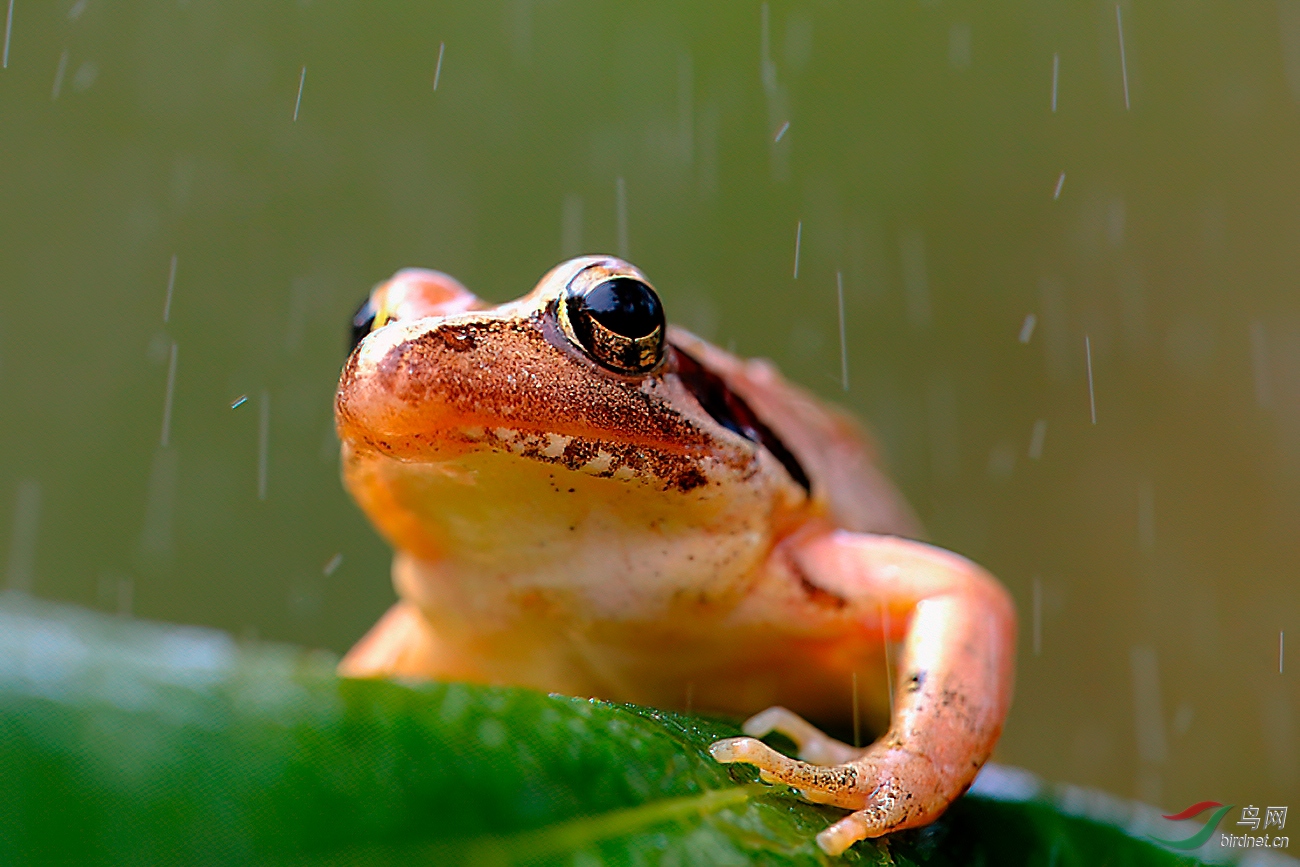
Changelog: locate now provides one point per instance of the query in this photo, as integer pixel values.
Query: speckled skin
(562, 527)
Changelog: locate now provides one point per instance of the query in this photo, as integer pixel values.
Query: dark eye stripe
(729, 410)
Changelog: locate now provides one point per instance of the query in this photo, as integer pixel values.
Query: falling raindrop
(9, 26)
(171, 284)
(1036, 439)
(298, 102)
(1027, 329)
(1123, 62)
(58, 75)
(798, 238)
(1092, 400)
(167, 399)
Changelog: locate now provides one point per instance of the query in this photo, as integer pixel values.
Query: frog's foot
(887, 787)
(909, 790)
(953, 686)
(815, 747)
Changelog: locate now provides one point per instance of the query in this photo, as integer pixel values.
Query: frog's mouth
(729, 410)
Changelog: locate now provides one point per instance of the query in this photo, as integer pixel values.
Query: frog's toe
(837, 784)
(773, 767)
(888, 789)
(891, 805)
(844, 833)
(751, 751)
(813, 745)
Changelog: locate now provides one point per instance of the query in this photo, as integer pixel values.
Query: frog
(584, 499)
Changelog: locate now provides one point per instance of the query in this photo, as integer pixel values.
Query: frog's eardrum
(730, 411)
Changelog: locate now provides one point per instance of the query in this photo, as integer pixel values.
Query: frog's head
(503, 434)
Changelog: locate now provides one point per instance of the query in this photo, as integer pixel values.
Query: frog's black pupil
(362, 321)
(625, 306)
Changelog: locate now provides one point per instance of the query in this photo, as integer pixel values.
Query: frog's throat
(510, 493)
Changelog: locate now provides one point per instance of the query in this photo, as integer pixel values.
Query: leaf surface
(123, 742)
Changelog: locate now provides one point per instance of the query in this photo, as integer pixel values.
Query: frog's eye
(367, 318)
(619, 322)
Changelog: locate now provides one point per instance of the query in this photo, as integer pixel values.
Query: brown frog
(587, 500)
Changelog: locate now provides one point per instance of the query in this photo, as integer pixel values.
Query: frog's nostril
(411, 293)
(619, 322)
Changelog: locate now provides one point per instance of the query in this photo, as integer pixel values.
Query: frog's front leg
(953, 686)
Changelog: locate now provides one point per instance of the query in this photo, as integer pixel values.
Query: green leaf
(123, 742)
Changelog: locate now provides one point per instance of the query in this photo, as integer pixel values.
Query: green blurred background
(1153, 555)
